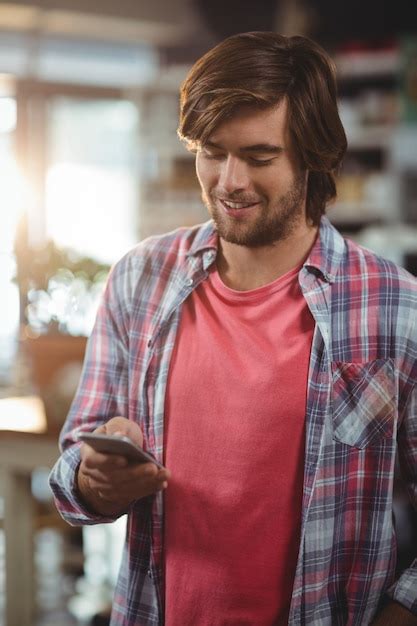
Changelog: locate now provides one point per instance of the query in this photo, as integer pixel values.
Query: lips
(237, 205)
(238, 209)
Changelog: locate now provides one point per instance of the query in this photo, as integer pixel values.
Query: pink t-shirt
(234, 442)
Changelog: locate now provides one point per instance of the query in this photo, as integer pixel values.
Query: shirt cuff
(68, 500)
(404, 590)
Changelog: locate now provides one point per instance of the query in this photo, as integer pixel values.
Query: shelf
(357, 211)
(367, 64)
(353, 210)
(353, 223)
(370, 138)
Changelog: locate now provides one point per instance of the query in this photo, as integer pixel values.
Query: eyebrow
(266, 148)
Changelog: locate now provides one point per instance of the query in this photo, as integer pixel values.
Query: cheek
(205, 172)
(271, 182)
(281, 180)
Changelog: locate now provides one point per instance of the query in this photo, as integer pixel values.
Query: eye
(260, 162)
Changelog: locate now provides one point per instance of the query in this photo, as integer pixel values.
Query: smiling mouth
(237, 206)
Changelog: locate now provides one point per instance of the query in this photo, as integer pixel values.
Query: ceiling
(187, 27)
(159, 23)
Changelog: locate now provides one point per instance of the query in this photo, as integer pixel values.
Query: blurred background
(89, 165)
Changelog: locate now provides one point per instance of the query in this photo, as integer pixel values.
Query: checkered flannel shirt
(361, 407)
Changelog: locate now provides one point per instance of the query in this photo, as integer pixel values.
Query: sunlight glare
(81, 204)
(25, 414)
(8, 114)
(14, 194)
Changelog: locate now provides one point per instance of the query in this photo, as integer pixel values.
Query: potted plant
(59, 292)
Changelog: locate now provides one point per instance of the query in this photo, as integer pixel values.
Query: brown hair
(260, 69)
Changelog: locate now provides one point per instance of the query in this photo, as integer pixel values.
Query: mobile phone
(118, 444)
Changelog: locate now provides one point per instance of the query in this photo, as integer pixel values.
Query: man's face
(252, 186)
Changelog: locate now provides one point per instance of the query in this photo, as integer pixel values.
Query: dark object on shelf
(409, 196)
(237, 16)
(405, 522)
(101, 619)
(410, 262)
(338, 22)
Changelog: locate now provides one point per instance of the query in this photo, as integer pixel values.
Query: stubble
(276, 222)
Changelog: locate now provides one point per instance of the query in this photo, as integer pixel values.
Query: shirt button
(189, 282)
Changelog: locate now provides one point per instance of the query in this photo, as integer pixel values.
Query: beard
(277, 223)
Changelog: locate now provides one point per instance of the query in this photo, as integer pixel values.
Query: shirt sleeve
(404, 590)
(102, 394)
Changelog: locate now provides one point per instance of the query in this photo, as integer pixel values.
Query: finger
(113, 462)
(122, 426)
(118, 493)
(165, 474)
(112, 495)
(104, 461)
(126, 491)
(148, 483)
(138, 470)
(101, 430)
(97, 476)
(125, 479)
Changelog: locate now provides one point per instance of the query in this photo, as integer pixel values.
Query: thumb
(125, 427)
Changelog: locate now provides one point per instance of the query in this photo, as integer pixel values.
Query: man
(267, 362)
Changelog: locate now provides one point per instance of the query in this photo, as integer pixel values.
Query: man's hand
(108, 483)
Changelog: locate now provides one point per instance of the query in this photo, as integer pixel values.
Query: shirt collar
(205, 244)
(325, 256)
(327, 252)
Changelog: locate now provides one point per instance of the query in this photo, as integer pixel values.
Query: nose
(233, 175)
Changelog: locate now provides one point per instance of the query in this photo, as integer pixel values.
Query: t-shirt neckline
(276, 285)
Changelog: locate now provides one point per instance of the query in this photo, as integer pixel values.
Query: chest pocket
(363, 402)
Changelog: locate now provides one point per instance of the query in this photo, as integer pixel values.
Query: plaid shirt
(362, 400)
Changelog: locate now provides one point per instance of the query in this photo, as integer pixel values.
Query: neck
(243, 268)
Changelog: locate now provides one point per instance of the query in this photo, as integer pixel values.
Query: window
(90, 193)
(12, 191)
